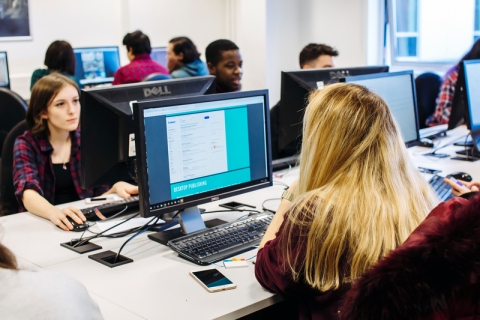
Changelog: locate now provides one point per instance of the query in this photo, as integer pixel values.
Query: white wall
(270, 33)
(284, 25)
(341, 24)
(436, 36)
(97, 23)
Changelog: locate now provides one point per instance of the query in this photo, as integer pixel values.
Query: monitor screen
(472, 79)
(96, 65)
(4, 77)
(296, 85)
(159, 54)
(197, 150)
(107, 124)
(398, 91)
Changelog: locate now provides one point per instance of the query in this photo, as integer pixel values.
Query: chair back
(157, 76)
(8, 202)
(12, 110)
(428, 87)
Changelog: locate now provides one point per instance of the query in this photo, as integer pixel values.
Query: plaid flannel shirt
(33, 169)
(444, 100)
(140, 67)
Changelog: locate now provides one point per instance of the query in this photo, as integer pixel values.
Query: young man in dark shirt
(313, 56)
(141, 64)
(225, 63)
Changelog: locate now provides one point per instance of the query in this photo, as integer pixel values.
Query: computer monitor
(201, 149)
(159, 54)
(398, 91)
(96, 65)
(4, 77)
(471, 69)
(107, 133)
(296, 85)
(459, 112)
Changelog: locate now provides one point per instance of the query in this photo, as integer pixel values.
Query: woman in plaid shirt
(447, 90)
(46, 165)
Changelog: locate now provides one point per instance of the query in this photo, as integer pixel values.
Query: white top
(43, 294)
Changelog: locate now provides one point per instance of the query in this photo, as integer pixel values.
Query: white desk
(157, 284)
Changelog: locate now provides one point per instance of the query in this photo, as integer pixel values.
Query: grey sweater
(43, 294)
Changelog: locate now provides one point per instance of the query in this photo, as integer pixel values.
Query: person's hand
(59, 217)
(124, 189)
(467, 187)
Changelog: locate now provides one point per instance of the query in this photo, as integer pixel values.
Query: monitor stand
(472, 154)
(190, 220)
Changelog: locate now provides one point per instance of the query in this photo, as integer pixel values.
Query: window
(406, 28)
(432, 31)
(476, 31)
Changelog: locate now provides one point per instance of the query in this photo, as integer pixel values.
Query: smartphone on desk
(212, 280)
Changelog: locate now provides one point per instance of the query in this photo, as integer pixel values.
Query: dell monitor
(200, 149)
(471, 71)
(159, 55)
(296, 85)
(107, 133)
(96, 65)
(459, 112)
(398, 91)
(4, 77)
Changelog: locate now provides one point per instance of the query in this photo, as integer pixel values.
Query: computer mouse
(78, 227)
(460, 176)
(427, 143)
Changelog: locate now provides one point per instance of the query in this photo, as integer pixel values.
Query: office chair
(157, 76)
(8, 202)
(12, 110)
(427, 86)
(434, 274)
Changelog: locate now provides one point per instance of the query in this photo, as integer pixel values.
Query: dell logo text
(156, 91)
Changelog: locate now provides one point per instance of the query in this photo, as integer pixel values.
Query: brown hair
(7, 259)
(60, 57)
(43, 93)
(186, 46)
(312, 51)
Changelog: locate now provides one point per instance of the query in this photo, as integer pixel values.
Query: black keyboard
(214, 244)
(111, 208)
(442, 189)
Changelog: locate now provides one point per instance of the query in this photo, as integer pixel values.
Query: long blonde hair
(358, 196)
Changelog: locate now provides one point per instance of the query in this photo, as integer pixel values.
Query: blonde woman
(357, 198)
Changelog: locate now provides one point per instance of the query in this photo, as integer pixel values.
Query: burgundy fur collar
(433, 275)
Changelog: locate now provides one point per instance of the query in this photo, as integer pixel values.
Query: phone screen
(212, 278)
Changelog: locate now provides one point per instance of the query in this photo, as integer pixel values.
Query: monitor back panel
(296, 86)
(107, 123)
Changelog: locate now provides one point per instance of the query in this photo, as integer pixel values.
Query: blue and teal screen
(197, 148)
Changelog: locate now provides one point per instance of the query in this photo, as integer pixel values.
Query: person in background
(352, 204)
(225, 62)
(141, 64)
(315, 56)
(41, 294)
(59, 58)
(183, 59)
(46, 158)
(447, 90)
(312, 56)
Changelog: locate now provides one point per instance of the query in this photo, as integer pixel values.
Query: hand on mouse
(458, 190)
(59, 217)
